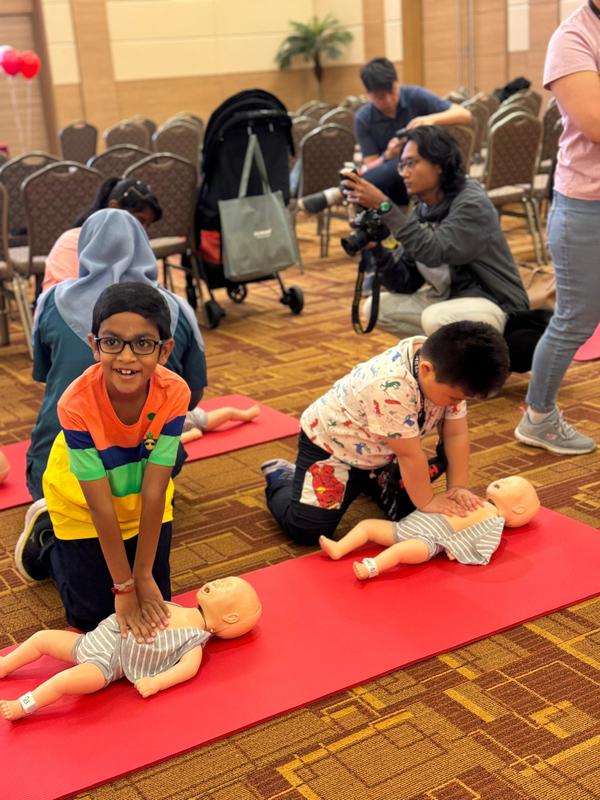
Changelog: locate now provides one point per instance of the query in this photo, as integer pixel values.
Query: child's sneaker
(29, 545)
(555, 434)
(277, 468)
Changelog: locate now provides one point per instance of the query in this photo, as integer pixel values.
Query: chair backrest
(12, 175)
(300, 127)
(127, 132)
(53, 198)
(481, 113)
(528, 101)
(181, 138)
(503, 112)
(551, 131)
(173, 181)
(186, 116)
(116, 160)
(513, 151)
(78, 141)
(465, 138)
(324, 151)
(318, 109)
(148, 123)
(339, 116)
(489, 100)
(301, 110)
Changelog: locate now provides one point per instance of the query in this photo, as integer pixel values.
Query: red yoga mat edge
(590, 351)
(315, 614)
(267, 427)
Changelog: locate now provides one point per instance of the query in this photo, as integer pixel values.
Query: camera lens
(355, 242)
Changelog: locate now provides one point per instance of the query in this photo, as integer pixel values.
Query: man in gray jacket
(452, 262)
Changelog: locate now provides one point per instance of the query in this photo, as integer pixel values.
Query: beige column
(412, 41)
(98, 89)
(373, 26)
(544, 18)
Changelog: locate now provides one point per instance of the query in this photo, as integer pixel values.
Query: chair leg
(22, 301)
(532, 229)
(540, 229)
(294, 214)
(4, 307)
(325, 228)
(167, 277)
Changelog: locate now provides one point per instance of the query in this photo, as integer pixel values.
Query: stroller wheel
(213, 312)
(238, 292)
(293, 298)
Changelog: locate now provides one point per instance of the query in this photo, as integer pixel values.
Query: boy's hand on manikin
(441, 504)
(153, 609)
(465, 498)
(129, 618)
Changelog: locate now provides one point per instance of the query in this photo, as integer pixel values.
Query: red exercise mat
(590, 351)
(322, 631)
(268, 426)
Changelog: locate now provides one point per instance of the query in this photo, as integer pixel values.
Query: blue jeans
(574, 241)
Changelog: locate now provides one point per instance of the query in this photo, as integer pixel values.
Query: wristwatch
(385, 206)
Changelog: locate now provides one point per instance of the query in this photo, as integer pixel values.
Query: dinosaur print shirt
(378, 401)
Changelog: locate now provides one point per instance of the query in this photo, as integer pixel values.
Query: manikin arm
(182, 671)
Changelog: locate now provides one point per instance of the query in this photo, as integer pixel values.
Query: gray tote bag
(256, 232)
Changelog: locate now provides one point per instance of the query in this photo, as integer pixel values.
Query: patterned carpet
(516, 715)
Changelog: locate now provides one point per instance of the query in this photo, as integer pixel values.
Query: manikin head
(515, 498)
(230, 606)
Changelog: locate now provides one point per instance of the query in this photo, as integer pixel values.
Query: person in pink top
(132, 196)
(572, 74)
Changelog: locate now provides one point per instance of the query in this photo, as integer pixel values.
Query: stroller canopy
(225, 142)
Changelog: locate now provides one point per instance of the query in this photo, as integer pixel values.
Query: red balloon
(31, 64)
(12, 62)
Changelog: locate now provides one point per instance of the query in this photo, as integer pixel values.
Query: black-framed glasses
(408, 164)
(113, 345)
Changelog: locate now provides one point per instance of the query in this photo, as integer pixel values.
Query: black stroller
(227, 133)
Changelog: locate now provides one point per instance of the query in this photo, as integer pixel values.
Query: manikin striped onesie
(117, 657)
(473, 545)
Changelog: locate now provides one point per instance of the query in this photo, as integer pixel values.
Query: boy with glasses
(108, 481)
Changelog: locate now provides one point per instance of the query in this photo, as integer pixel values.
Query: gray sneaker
(554, 434)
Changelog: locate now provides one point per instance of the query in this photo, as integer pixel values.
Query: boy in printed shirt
(375, 416)
(108, 481)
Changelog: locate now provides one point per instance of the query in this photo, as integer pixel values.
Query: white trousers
(418, 313)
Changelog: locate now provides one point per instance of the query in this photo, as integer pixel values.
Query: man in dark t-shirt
(392, 107)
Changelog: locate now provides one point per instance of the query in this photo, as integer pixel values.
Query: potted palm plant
(313, 41)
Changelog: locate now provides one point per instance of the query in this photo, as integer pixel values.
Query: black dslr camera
(368, 227)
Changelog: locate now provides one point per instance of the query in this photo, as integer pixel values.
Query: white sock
(537, 416)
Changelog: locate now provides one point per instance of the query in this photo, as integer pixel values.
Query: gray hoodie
(463, 240)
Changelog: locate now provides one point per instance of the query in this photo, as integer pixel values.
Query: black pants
(82, 578)
(304, 523)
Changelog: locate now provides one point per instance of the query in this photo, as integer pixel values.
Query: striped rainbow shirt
(94, 443)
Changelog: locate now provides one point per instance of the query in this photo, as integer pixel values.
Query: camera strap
(360, 277)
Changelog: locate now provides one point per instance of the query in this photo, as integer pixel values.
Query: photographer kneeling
(453, 262)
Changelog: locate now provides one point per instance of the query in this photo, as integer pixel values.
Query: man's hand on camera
(362, 192)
